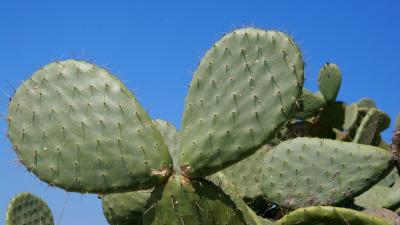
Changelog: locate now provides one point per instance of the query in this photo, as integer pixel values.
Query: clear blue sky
(154, 46)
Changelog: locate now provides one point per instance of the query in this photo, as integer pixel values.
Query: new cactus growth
(329, 81)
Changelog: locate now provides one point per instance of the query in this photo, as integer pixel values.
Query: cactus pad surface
(329, 81)
(244, 89)
(125, 208)
(27, 209)
(191, 202)
(171, 138)
(74, 125)
(310, 171)
(326, 215)
(373, 123)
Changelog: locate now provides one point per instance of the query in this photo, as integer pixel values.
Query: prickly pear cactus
(77, 127)
(26, 208)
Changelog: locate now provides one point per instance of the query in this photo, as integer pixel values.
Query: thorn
(122, 111)
(33, 118)
(73, 93)
(243, 54)
(227, 52)
(209, 68)
(248, 68)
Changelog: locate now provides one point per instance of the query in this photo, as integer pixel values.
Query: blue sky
(154, 46)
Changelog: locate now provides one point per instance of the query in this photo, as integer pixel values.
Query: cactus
(77, 127)
(26, 208)
(325, 215)
(329, 81)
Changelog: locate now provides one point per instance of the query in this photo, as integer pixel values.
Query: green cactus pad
(373, 123)
(310, 171)
(74, 125)
(392, 199)
(329, 81)
(311, 103)
(247, 174)
(26, 208)
(390, 179)
(326, 215)
(171, 138)
(350, 116)
(366, 103)
(373, 198)
(229, 188)
(388, 215)
(244, 89)
(125, 208)
(191, 202)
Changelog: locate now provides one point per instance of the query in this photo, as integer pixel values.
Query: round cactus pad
(244, 89)
(26, 208)
(74, 125)
(329, 81)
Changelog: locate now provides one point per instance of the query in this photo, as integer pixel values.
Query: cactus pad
(229, 188)
(374, 197)
(373, 123)
(26, 208)
(350, 116)
(246, 175)
(125, 208)
(311, 103)
(244, 89)
(171, 138)
(392, 199)
(326, 215)
(74, 125)
(329, 81)
(366, 103)
(191, 202)
(310, 171)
